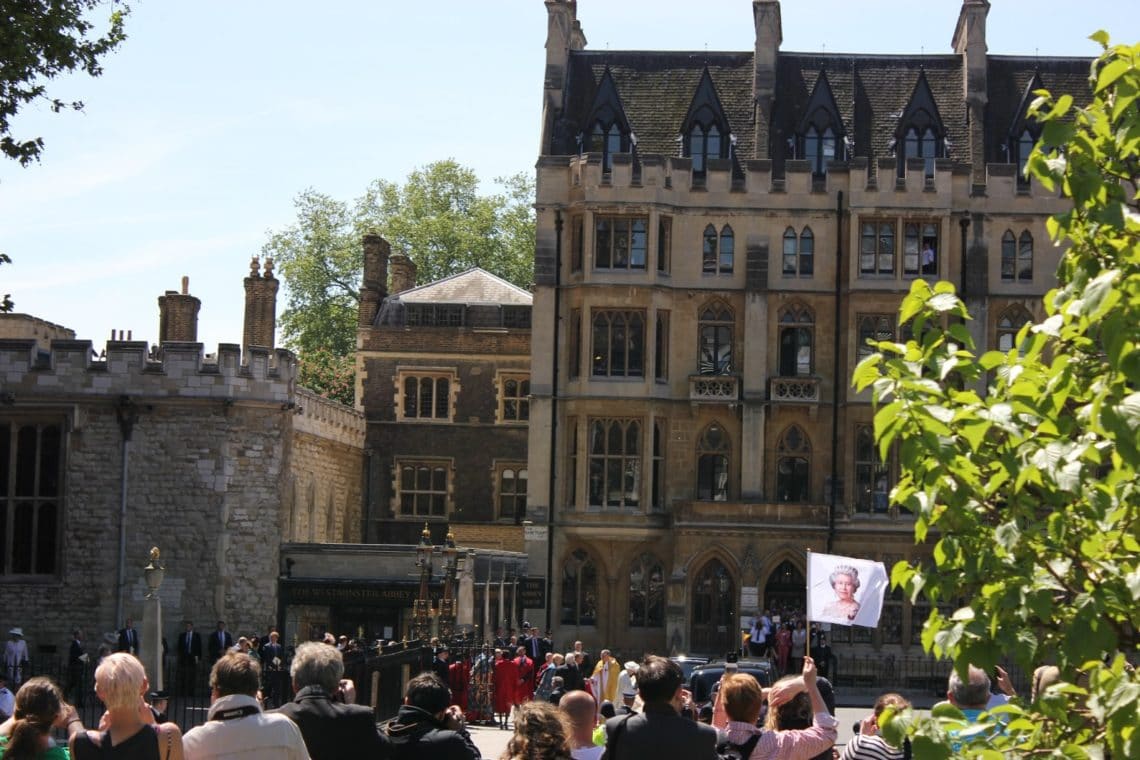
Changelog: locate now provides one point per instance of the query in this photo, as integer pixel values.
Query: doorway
(714, 629)
(785, 593)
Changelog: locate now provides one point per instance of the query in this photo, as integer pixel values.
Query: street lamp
(421, 612)
(151, 650)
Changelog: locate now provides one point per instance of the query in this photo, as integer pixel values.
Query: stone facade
(700, 315)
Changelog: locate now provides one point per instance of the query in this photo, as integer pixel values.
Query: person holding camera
(867, 743)
(426, 727)
(333, 727)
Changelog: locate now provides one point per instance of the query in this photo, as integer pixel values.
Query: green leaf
(1109, 74)
(947, 711)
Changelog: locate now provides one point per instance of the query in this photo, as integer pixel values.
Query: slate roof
(472, 286)
(871, 92)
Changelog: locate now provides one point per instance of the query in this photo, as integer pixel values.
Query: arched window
(1008, 256)
(793, 465)
(1024, 147)
(873, 327)
(819, 149)
(579, 590)
(799, 253)
(615, 463)
(1009, 325)
(705, 142)
(646, 593)
(920, 143)
(712, 464)
(797, 328)
(1025, 257)
(657, 498)
(607, 139)
(727, 250)
(716, 323)
(708, 255)
(717, 253)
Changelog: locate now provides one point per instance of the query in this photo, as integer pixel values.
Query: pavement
(492, 741)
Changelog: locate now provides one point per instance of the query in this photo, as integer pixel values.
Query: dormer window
(704, 133)
(607, 140)
(820, 132)
(1024, 132)
(819, 149)
(607, 130)
(920, 133)
(921, 143)
(704, 143)
(1021, 148)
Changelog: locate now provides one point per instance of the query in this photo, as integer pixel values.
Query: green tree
(437, 217)
(40, 40)
(5, 300)
(1029, 491)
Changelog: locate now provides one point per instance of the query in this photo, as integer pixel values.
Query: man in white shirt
(237, 728)
(7, 699)
(578, 707)
(15, 656)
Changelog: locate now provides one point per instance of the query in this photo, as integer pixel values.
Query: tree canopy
(437, 217)
(40, 40)
(1030, 488)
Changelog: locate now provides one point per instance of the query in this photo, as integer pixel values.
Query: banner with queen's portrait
(845, 590)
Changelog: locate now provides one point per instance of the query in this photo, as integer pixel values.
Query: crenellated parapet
(328, 419)
(72, 367)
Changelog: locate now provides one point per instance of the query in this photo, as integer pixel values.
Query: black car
(688, 662)
(705, 677)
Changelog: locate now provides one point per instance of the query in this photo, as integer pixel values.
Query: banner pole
(807, 607)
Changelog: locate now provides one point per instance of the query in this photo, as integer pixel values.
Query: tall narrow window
(791, 253)
(606, 140)
(807, 253)
(574, 343)
(619, 343)
(579, 590)
(799, 253)
(657, 498)
(877, 248)
(646, 593)
(577, 243)
(716, 323)
(920, 143)
(793, 466)
(664, 243)
(661, 347)
(1025, 257)
(572, 458)
(819, 149)
(697, 147)
(797, 328)
(920, 249)
(708, 250)
(727, 250)
(615, 463)
(872, 476)
(712, 464)
(1024, 148)
(1008, 256)
(31, 474)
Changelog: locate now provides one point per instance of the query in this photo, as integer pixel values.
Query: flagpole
(807, 608)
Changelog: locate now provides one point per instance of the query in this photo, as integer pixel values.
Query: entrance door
(786, 591)
(714, 629)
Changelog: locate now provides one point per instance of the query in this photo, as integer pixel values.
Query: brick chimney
(969, 41)
(260, 306)
(563, 34)
(769, 36)
(374, 284)
(178, 315)
(403, 273)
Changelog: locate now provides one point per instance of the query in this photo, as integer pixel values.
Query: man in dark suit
(77, 658)
(571, 674)
(273, 667)
(333, 727)
(536, 646)
(660, 730)
(220, 642)
(189, 654)
(129, 638)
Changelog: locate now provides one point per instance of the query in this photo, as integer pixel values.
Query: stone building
(216, 459)
(719, 234)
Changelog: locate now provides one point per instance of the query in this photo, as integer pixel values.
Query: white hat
(631, 665)
(17, 631)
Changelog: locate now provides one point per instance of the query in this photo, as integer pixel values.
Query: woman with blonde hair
(40, 707)
(131, 733)
(541, 733)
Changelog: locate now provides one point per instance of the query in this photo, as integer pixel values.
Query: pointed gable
(607, 109)
(821, 110)
(705, 108)
(1021, 120)
(921, 112)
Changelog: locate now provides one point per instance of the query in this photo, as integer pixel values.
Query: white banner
(845, 590)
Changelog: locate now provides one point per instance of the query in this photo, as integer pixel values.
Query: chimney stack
(260, 306)
(769, 36)
(178, 315)
(374, 284)
(969, 41)
(403, 273)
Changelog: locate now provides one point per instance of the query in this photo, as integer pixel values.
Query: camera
(731, 659)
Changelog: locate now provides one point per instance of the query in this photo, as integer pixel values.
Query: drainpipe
(550, 520)
(964, 224)
(128, 415)
(837, 375)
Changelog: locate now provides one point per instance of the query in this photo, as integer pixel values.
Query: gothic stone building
(719, 234)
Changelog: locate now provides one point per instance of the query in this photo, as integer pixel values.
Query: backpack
(726, 750)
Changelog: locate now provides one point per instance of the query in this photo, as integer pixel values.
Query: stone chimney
(769, 36)
(563, 34)
(260, 306)
(403, 273)
(178, 315)
(374, 283)
(969, 41)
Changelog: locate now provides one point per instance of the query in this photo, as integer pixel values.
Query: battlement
(669, 179)
(328, 419)
(174, 370)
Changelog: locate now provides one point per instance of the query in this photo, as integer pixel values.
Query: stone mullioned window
(31, 496)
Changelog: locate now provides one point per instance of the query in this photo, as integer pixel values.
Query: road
(492, 742)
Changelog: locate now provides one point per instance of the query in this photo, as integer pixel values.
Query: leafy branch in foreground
(1029, 489)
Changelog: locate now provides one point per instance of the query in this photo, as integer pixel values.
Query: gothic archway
(786, 589)
(713, 626)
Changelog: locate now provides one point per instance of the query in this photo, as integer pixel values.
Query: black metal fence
(379, 676)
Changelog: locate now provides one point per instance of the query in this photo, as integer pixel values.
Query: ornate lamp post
(151, 650)
(447, 607)
(421, 612)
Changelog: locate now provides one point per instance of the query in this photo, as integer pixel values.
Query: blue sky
(213, 115)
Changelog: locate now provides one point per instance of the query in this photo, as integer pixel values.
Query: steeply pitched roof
(473, 286)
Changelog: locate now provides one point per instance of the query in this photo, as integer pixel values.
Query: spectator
(39, 708)
(7, 699)
(120, 683)
(540, 733)
(236, 726)
(1044, 677)
(426, 727)
(220, 642)
(558, 691)
(16, 656)
(660, 731)
(333, 727)
(869, 744)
